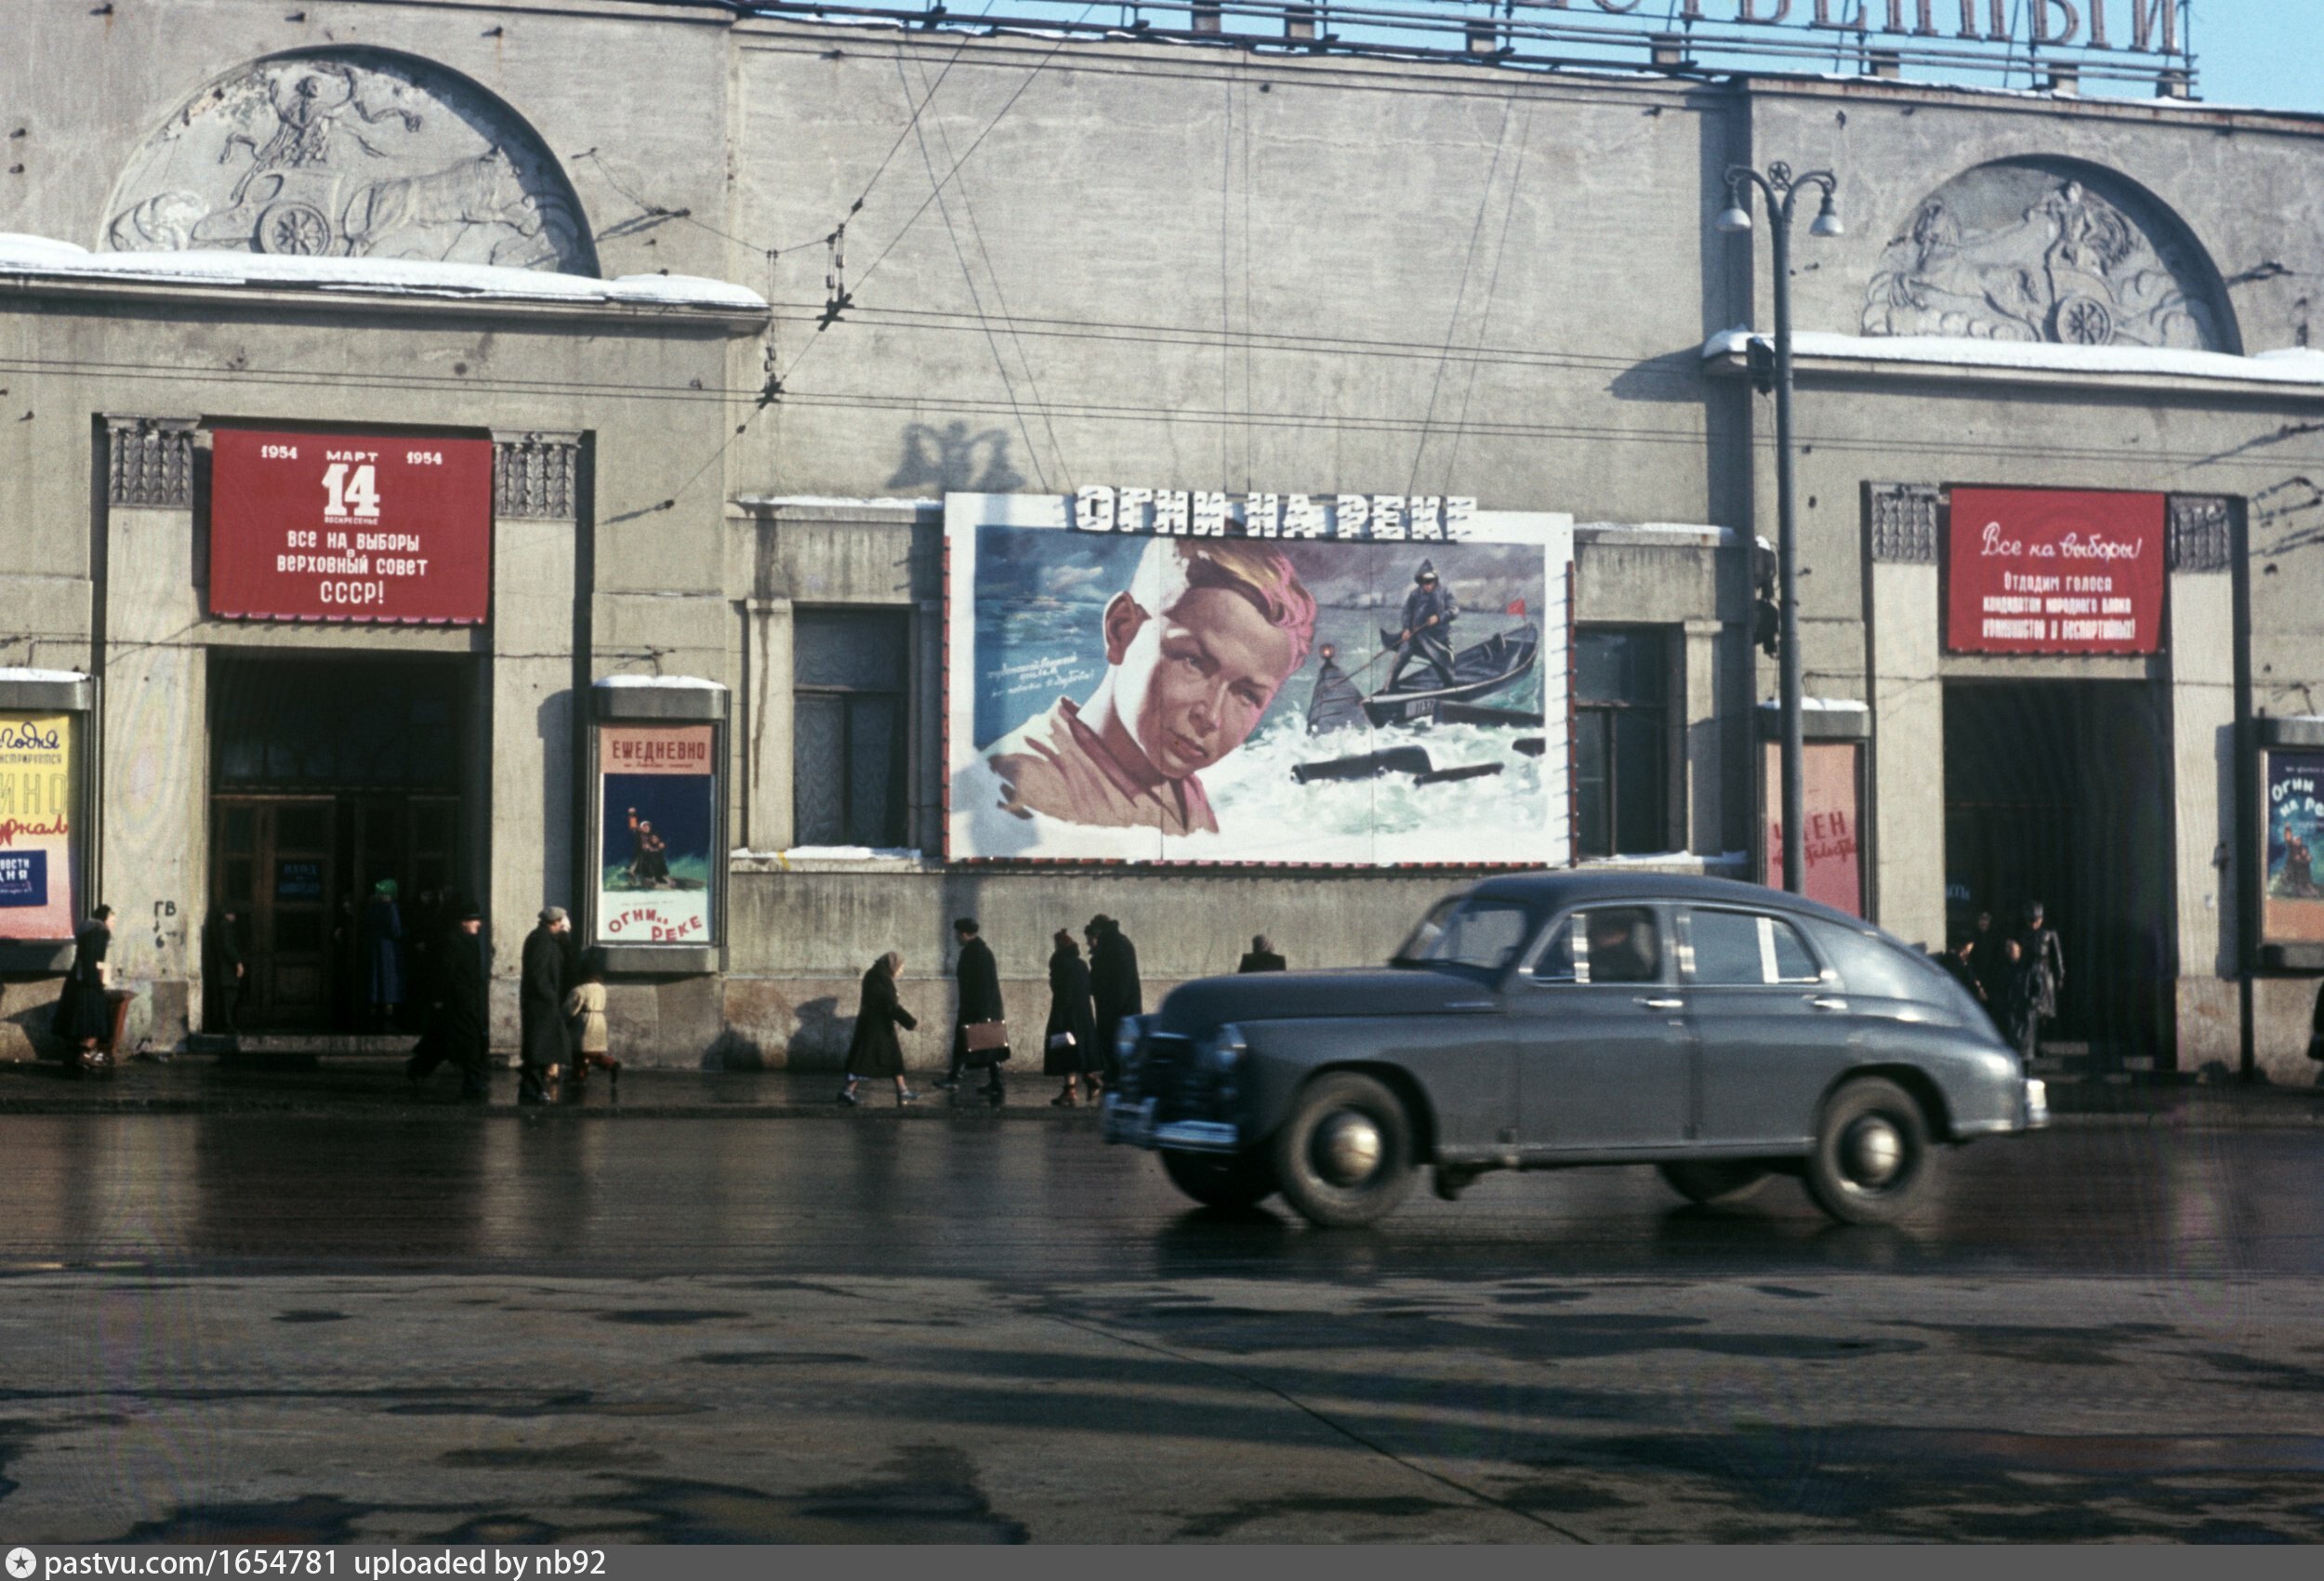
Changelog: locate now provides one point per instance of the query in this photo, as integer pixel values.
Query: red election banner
(357, 527)
(2054, 570)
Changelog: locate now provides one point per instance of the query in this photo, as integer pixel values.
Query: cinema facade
(467, 449)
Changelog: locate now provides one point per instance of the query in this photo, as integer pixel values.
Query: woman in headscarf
(874, 1050)
(84, 1015)
(382, 960)
(1072, 1024)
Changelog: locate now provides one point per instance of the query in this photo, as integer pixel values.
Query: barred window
(848, 670)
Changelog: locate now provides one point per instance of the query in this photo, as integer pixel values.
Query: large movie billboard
(2292, 890)
(1145, 678)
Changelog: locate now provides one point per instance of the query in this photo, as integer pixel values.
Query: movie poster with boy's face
(1320, 696)
(2292, 892)
(656, 817)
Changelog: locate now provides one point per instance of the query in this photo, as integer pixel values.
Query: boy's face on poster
(1191, 684)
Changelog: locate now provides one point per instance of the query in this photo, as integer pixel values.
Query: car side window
(1620, 944)
(1726, 947)
(1875, 969)
(1554, 961)
(1790, 958)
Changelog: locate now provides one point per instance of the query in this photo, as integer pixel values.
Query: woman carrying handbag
(1072, 1041)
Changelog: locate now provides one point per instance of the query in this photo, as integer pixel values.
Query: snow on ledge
(833, 859)
(11, 673)
(2296, 365)
(1823, 705)
(693, 682)
(40, 256)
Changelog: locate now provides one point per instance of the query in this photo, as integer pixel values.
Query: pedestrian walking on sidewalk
(585, 1020)
(1070, 1041)
(1114, 988)
(1262, 957)
(2038, 969)
(980, 1026)
(541, 1007)
(1989, 959)
(874, 1052)
(459, 1029)
(84, 1015)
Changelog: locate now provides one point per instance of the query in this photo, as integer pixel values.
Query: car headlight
(1127, 1035)
(1223, 1049)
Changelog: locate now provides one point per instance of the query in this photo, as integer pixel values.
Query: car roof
(1557, 889)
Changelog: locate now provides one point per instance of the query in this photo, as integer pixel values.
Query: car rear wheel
(1715, 1180)
(1345, 1156)
(1871, 1160)
(1221, 1180)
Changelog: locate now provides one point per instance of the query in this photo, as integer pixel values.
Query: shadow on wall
(951, 460)
(27, 1010)
(766, 1031)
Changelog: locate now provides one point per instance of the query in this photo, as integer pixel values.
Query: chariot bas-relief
(350, 156)
(2033, 253)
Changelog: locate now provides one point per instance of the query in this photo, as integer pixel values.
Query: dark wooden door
(273, 865)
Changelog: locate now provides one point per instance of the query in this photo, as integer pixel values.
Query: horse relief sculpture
(2029, 253)
(355, 156)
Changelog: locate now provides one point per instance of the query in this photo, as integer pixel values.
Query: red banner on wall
(1831, 793)
(350, 527)
(2054, 570)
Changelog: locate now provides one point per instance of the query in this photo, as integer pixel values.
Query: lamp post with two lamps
(1782, 189)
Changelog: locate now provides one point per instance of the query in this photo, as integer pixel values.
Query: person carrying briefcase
(980, 1035)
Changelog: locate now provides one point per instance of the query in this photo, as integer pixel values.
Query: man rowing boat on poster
(1429, 613)
(649, 862)
(1195, 649)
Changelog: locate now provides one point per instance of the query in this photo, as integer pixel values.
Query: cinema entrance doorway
(2060, 791)
(328, 776)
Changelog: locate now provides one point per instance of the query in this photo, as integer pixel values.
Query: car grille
(1164, 1069)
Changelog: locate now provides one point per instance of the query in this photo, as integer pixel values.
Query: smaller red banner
(2054, 570)
(350, 527)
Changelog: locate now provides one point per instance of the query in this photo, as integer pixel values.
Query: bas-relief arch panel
(351, 153)
(2049, 250)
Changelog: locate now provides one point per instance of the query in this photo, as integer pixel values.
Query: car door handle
(1826, 1002)
(1651, 1002)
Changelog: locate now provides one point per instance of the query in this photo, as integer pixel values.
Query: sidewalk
(343, 1085)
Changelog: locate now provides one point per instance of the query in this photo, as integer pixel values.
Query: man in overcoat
(460, 1030)
(540, 1005)
(1261, 955)
(1114, 985)
(977, 976)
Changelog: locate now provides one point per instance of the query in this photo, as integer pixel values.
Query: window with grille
(848, 670)
(1621, 741)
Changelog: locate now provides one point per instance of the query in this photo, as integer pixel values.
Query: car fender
(1284, 1056)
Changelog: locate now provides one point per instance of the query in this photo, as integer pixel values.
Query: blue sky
(2254, 52)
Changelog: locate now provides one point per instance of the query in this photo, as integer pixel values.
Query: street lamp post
(1782, 190)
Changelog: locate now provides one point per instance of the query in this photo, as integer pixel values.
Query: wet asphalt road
(367, 1328)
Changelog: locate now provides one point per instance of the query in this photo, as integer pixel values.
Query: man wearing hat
(540, 1005)
(1429, 612)
(1115, 991)
(459, 1031)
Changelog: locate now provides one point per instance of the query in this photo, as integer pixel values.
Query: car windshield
(1482, 935)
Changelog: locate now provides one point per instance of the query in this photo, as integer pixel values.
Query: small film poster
(36, 900)
(2291, 892)
(656, 819)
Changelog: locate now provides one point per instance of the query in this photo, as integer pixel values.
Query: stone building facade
(1014, 264)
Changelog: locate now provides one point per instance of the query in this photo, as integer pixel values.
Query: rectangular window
(1622, 737)
(849, 671)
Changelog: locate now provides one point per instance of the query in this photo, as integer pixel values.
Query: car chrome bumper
(1133, 1125)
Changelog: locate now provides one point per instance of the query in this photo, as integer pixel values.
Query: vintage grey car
(1720, 1031)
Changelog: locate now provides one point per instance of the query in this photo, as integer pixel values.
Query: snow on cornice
(2291, 366)
(40, 257)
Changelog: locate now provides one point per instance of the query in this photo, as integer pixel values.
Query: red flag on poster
(1516, 607)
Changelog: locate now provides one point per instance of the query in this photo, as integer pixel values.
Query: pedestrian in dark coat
(1071, 1039)
(84, 1016)
(1261, 955)
(978, 977)
(1113, 986)
(541, 1007)
(2037, 967)
(1989, 959)
(382, 956)
(225, 977)
(458, 1030)
(874, 1051)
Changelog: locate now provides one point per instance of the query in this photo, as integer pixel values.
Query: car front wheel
(1221, 1180)
(1871, 1159)
(1345, 1156)
(1709, 1181)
